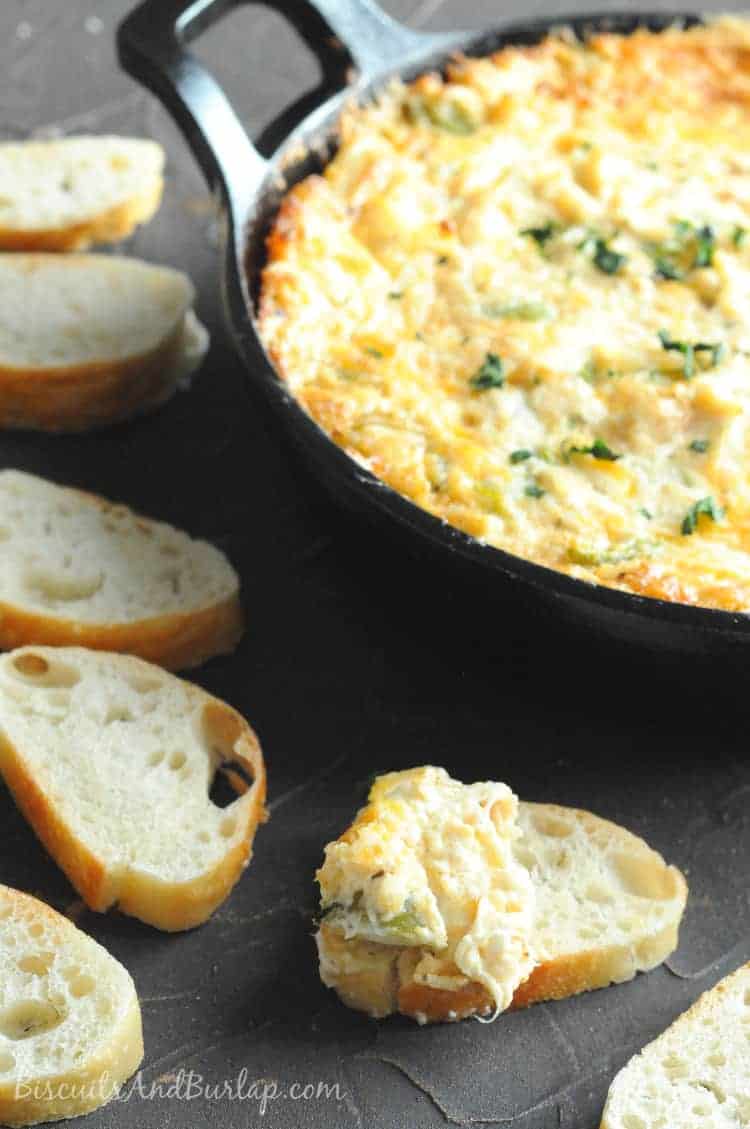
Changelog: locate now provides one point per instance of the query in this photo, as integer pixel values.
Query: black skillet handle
(151, 44)
(151, 47)
(373, 39)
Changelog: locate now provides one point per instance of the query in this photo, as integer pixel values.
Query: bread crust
(84, 397)
(168, 906)
(376, 978)
(109, 226)
(177, 641)
(91, 1085)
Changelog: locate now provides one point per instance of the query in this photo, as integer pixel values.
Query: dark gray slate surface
(358, 659)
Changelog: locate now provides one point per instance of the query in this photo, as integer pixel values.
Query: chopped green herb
(520, 456)
(490, 373)
(688, 249)
(394, 295)
(645, 513)
(668, 270)
(542, 235)
(598, 449)
(442, 260)
(448, 115)
(374, 352)
(705, 245)
(405, 925)
(700, 446)
(532, 490)
(613, 554)
(706, 506)
(689, 351)
(602, 255)
(739, 236)
(718, 352)
(607, 260)
(451, 116)
(523, 310)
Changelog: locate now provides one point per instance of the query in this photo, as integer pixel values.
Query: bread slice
(111, 760)
(606, 906)
(70, 1023)
(66, 194)
(80, 570)
(696, 1075)
(89, 340)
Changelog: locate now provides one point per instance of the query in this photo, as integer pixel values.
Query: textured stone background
(358, 659)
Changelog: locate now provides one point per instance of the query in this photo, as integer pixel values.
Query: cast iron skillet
(359, 44)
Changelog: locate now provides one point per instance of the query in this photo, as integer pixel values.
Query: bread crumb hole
(7, 1062)
(52, 675)
(155, 758)
(597, 892)
(644, 876)
(589, 932)
(550, 825)
(82, 985)
(29, 1018)
(524, 855)
(227, 827)
(177, 760)
(222, 793)
(30, 665)
(38, 964)
(118, 713)
(36, 929)
(143, 683)
(633, 1121)
(204, 837)
(675, 1067)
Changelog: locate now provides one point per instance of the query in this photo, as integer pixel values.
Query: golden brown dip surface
(521, 296)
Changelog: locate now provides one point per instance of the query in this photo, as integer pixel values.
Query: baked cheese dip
(520, 295)
(423, 891)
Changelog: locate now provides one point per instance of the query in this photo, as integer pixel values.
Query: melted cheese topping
(428, 866)
(521, 296)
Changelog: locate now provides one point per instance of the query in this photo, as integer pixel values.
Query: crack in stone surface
(305, 785)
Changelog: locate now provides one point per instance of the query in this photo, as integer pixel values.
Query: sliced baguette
(89, 340)
(80, 570)
(67, 194)
(70, 1023)
(696, 1075)
(606, 907)
(111, 761)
